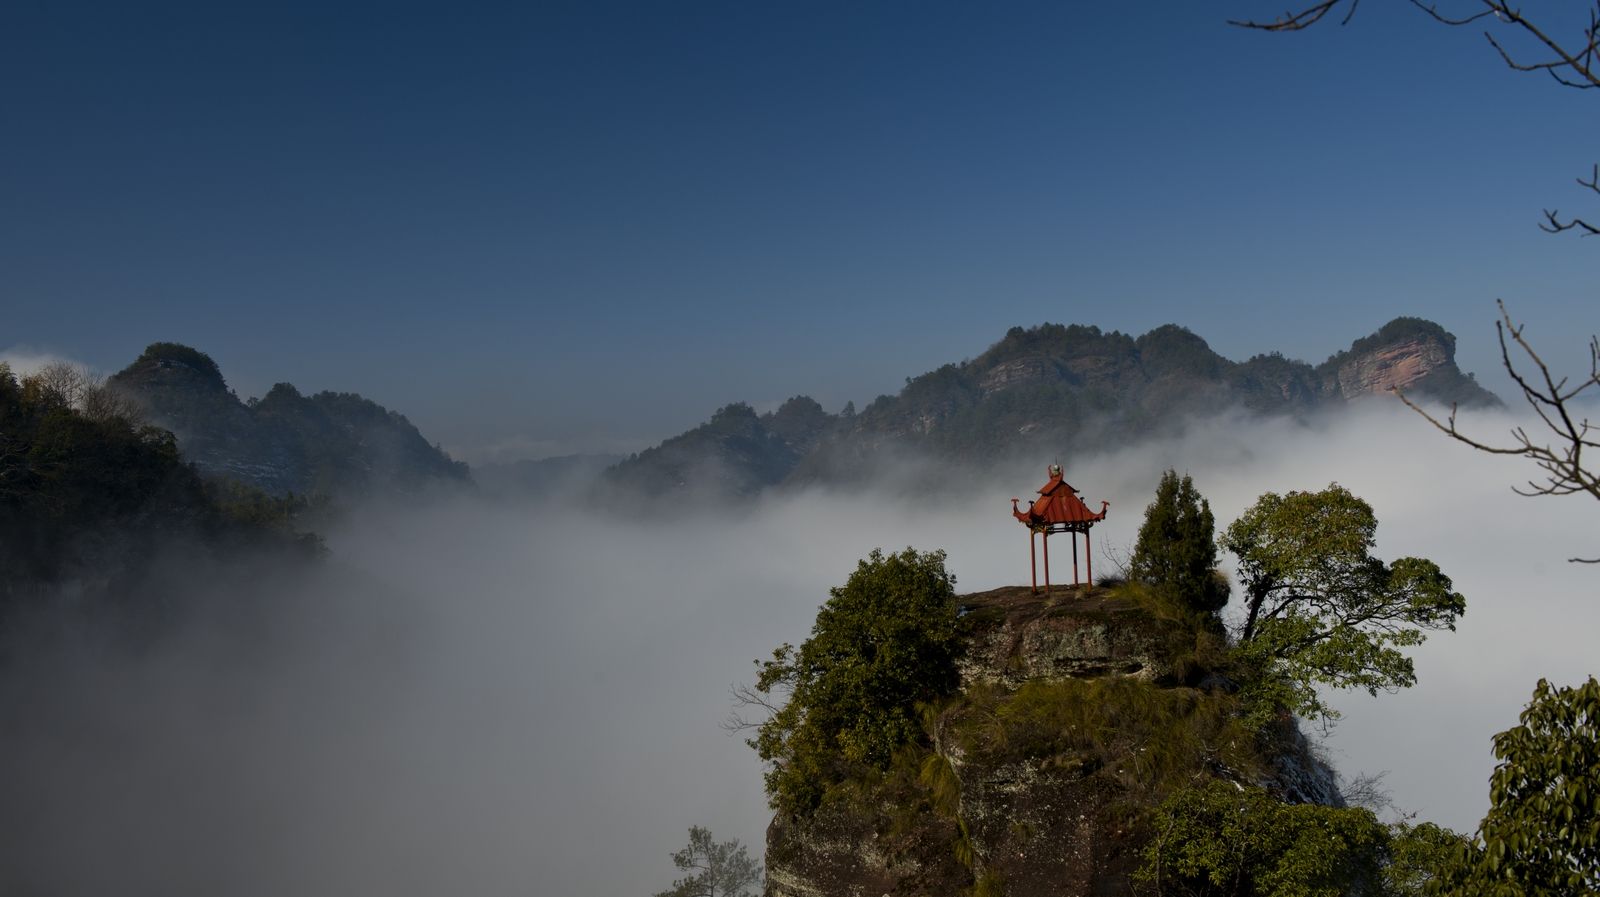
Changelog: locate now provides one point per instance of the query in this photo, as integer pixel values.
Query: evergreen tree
(1176, 553)
(717, 868)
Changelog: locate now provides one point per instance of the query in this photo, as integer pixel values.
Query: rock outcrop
(1076, 712)
(1016, 637)
(1397, 366)
(1408, 354)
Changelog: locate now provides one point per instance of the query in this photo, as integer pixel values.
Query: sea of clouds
(490, 698)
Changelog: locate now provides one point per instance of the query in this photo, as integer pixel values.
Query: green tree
(1421, 858)
(1541, 836)
(1320, 609)
(884, 642)
(717, 869)
(1224, 840)
(1176, 552)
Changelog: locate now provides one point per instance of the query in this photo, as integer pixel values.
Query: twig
(1552, 399)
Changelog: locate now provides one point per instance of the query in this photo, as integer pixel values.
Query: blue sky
(537, 228)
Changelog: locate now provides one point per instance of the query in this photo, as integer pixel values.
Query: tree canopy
(884, 642)
(1320, 609)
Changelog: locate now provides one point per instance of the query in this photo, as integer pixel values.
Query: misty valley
(288, 645)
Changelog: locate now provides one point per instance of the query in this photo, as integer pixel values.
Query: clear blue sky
(550, 227)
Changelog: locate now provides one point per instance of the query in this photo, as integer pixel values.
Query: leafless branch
(1561, 458)
(1579, 62)
(1553, 223)
(1298, 21)
(1571, 62)
(747, 700)
(1368, 791)
(1433, 12)
(85, 391)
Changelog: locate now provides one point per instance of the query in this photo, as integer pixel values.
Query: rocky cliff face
(1408, 354)
(1076, 712)
(1397, 366)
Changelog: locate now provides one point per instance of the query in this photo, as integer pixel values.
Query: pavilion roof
(1057, 503)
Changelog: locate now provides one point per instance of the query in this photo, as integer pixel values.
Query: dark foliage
(89, 497)
(160, 355)
(1176, 551)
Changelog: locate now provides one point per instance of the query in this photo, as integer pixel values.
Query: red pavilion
(1058, 509)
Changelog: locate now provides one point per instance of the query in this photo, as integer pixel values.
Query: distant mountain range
(329, 443)
(1038, 391)
(1044, 389)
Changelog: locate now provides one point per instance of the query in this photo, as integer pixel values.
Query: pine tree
(717, 868)
(1177, 551)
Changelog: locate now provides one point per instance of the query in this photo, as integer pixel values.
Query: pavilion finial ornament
(1058, 509)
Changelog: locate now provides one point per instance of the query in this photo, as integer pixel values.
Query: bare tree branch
(1433, 12)
(1554, 400)
(1571, 61)
(1297, 21)
(1553, 223)
(747, 699)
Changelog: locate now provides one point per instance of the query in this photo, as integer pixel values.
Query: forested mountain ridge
(328, 443)
(90, 496)
(1047, 388)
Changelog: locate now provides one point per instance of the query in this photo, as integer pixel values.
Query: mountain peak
(173, 362)
(1408, 353)
(285, 442)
